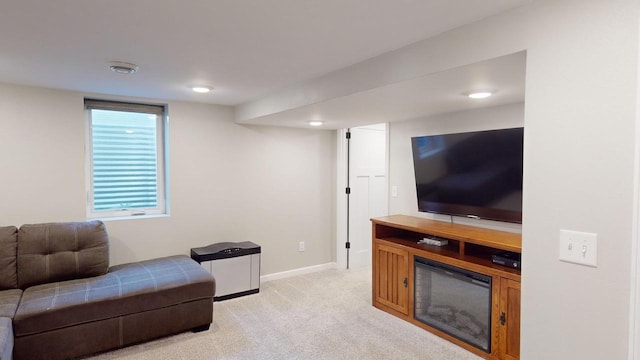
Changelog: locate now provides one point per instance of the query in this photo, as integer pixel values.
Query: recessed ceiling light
(315, 123)
(201, 89)
(480, 95)
(123, 67)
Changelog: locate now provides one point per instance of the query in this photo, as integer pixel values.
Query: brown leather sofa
(59, 298)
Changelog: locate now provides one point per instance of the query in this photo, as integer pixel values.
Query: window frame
(162, 149)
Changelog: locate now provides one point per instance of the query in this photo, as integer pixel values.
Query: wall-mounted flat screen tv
(472, 174)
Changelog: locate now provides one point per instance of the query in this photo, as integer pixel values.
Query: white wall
(41, 155)
(580, 115)
(229, 182)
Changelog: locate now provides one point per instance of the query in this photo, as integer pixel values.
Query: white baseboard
(296, 272)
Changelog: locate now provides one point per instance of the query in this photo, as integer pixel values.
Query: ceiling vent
(123, 67)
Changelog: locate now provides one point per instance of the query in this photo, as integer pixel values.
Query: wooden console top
(502, 240)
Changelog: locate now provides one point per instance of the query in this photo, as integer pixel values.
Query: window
(125, 159)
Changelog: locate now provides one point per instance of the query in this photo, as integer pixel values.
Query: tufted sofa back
(8, 246)
(61, 251)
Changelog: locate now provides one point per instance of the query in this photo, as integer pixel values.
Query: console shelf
(406, 226)
(396, 243)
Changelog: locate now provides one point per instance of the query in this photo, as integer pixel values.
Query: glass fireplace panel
(454, 300)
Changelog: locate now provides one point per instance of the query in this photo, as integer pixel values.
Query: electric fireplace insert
(453, 300)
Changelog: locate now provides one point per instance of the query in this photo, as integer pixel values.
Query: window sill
(130, 217)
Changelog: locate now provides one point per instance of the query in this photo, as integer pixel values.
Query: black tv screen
(473, 174)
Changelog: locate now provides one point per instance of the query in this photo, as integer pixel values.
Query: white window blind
(126, 159)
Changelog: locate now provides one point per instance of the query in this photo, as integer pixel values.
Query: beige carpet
(323, 315)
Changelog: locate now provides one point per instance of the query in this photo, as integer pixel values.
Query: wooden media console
(396, 247)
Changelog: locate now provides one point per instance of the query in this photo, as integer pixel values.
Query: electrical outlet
(301, 246)
(579, 247)
(394, 191)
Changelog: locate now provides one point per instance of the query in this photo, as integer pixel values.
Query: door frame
(634, 289)
(341, 198)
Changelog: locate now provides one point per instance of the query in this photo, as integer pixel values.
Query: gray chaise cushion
(6, 339)
(9, 300)
(61, 251)
(8, 246)
(126, 289)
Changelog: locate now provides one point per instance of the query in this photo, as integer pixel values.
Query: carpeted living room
(437, 179)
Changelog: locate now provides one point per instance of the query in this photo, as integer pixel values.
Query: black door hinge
(348, 134)
(347, 245)
(347, 191)
(503, 318)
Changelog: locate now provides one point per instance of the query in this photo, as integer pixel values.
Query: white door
(368, 183)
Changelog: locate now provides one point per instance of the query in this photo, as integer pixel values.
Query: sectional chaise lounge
(59, 298)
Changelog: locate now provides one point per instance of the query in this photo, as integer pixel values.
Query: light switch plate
(579, 247)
